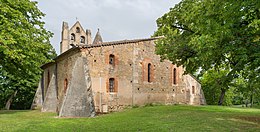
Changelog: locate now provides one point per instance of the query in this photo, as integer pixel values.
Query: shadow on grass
(255, 106)
(250, 119)
(12, 111)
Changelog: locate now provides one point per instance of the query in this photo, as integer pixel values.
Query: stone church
(92, 76)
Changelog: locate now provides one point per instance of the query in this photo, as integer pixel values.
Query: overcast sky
(116, 19)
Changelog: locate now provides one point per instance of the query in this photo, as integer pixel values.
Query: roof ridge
(134, 40)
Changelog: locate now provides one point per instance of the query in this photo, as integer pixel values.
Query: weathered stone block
(78, 100)
(50, 100)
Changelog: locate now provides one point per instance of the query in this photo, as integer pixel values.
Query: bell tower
(75, 35)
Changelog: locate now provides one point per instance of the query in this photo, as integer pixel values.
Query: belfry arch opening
(82, 39)
(72, 37)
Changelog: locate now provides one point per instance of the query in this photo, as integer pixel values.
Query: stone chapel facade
(95, 76)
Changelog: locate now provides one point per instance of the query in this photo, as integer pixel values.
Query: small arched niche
(77, 30)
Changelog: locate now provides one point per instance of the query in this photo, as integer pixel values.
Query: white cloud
(117, 19)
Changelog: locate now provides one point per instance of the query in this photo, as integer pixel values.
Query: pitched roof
(116, 42)
(194, 78)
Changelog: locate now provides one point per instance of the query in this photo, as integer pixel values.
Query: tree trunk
(10, 100)
(251, 100)
(221, 98)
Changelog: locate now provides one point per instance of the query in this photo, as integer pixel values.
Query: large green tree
(249, 86)
(201, 34)
(24, 47)
(213, 88)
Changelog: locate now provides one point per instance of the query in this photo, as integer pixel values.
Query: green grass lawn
(152, 118)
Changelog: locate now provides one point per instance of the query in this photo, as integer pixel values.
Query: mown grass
(152, 118)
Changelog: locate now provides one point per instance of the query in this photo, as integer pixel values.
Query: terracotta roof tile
(117, 42)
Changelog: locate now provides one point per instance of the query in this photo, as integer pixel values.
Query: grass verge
(150, 118)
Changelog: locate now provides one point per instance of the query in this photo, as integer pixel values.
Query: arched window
(72, 37)
(111, 59)
(48, 79)
(65, 85)
(174, 76)
(82, 39)
(149, 72)
(193, 90)
(77, 30)
(112, 85)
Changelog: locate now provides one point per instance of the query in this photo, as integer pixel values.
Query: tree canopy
(205, 34)
(24, 47)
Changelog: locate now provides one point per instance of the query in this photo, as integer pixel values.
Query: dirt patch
(250, 119)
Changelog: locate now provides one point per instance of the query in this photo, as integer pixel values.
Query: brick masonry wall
(130, 72)
(161, 88)
(131, 75)
(101, 71)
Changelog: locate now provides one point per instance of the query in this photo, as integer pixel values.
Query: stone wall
(161, 88)
(130, 74)
(195, 95)
(67, 85)
(78, 100)
(129, 70)
(49, 89)
(101, 71)
(65, 65)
